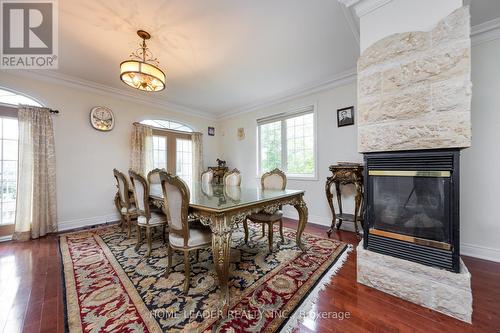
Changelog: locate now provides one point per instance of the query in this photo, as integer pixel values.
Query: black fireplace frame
(417, 160)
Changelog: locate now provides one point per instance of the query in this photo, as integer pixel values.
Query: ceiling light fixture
(141, 71)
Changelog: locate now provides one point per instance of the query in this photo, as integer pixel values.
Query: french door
(8, 173)
(173, 151)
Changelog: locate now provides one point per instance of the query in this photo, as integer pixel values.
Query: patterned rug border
(340, 255)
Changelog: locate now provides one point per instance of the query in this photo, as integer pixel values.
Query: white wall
(334, 145)
(480, 174)
(86, 157)
(401, 16)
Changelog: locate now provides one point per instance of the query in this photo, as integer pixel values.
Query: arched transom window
(12, 98)
(167, 124)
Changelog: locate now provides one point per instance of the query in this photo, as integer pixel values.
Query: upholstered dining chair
(232, 178)
(272, 180)
(207, 177)
(184, 235)
(154, 176)
(124, 201)
(147, 219)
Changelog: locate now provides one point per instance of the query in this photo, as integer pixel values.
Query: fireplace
(412, 206)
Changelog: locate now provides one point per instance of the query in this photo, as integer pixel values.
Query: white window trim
(283, 116)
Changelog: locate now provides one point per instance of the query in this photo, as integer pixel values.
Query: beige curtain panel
(141, 159)
(36, 209)
(197, 142)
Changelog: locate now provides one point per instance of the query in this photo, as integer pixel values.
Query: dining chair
(125, 202)
(147, 219)
(154, 176)
(232, 178)
(207, 177)
(184, 235)
(272, 180)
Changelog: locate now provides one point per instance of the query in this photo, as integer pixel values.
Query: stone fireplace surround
(414, 93)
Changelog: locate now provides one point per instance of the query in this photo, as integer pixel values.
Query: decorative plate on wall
(102, 118)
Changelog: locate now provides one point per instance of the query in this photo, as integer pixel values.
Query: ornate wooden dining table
(222, 208)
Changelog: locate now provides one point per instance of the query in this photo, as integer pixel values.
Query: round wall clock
(102, 118)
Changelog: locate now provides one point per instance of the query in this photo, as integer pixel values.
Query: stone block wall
(414, 89)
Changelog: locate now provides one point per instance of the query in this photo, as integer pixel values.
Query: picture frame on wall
(211, 131)
(345, 116)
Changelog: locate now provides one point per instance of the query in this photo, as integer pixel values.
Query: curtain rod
(15, 107)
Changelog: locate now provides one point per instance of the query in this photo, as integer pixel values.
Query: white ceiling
(219, 56)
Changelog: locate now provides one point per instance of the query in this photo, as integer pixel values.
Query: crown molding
(363, 7)
(340, 79)
(351, 21)
(94, 87)
(485, 32)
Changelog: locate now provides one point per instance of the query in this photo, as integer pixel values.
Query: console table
(343, 174)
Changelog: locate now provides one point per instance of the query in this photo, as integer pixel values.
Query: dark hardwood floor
(31, 296)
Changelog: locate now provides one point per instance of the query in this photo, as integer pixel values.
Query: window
(287, 142)
(184, 163)
(8, 169)
(172, 148)
(8, 156)
(167, 124)
(159, 151)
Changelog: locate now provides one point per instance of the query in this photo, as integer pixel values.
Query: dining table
(223, 208)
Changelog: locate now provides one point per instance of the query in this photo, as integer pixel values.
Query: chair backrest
(154, 176)
(273, 180)
(207, 177)
(141, 193)
(176, 200)
(123, 189)
(232, 178)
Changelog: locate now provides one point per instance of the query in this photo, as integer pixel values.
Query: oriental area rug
(110, 287)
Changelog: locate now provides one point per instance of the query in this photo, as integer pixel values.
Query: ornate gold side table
(343, 174)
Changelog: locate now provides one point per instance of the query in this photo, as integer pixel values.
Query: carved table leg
(329, 198)
(303, 215)
(339, 201)
(221, 247)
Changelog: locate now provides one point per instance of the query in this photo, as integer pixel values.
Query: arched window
(167, 124)
(14, 99)
(172, 147)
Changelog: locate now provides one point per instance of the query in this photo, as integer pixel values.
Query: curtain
(197, 141)
(142, 149)
(36, 209)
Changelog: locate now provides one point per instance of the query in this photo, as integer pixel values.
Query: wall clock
(102, 118)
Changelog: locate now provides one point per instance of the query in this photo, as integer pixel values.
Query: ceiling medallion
(141, 71)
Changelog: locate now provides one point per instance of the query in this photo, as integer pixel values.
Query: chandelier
(141, 70)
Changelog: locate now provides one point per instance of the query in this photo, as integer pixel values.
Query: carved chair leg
(281, 231)
(169, 260)
(270, 236)
(164, 232)
(245, 227)
(139, 238)
(197, 255)
(122, 222)
(187, 272)
(129, 226)
(148, 238)
(263, 229)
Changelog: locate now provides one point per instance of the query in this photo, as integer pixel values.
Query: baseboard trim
(5, 238)
(87, 222)
(481, 252)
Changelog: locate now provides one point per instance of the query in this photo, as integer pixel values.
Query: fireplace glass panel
(413, 206)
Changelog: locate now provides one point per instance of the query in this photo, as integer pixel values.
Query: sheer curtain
(197, 141)
(141, 159)
(36, 210)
